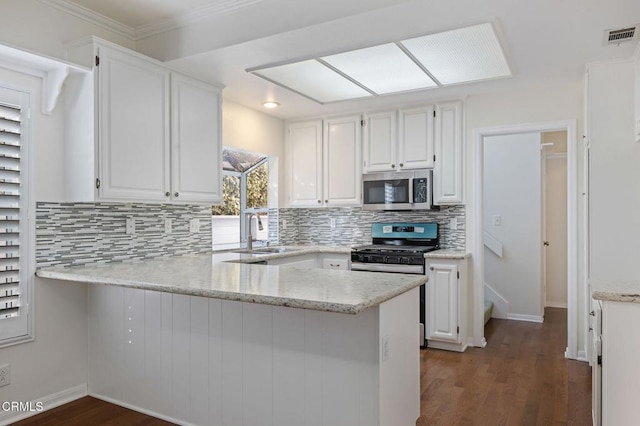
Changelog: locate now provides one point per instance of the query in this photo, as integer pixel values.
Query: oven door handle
(387, 267)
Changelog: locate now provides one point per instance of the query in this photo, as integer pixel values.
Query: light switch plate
(130, 227)
(194, 225)
(497, 220)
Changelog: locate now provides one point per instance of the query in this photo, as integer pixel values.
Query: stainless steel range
(399, 248)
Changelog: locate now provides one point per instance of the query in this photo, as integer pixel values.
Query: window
(245, 189)
(16, 282)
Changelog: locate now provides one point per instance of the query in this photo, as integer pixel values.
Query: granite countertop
(220, 275)
(447, 254)
(615, 290)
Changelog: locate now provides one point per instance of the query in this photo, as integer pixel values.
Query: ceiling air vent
(620, 35)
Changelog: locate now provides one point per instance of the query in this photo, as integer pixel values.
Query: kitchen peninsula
(204, 339)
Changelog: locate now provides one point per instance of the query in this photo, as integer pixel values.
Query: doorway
(568, 126)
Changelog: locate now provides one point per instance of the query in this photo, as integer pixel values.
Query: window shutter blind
(10, 185)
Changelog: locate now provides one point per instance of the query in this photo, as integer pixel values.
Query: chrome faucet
(249, 235)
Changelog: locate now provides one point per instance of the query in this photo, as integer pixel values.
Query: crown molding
(92, 17)
(218, 8)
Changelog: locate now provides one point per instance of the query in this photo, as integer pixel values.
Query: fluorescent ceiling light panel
(313, 80)
(383, 69)
(462, 55)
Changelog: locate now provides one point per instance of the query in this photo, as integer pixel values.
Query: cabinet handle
(176, 195)
(326, 201)
(431, 268)
(393, 166)
(167, 194)
(319, 201)
(401, 165)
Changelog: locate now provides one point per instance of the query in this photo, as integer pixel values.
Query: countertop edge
(334, 307)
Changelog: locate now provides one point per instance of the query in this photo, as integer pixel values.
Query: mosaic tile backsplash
(353, 225)
(77, 233)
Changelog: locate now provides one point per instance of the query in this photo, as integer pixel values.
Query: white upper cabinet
(380, 142)
(399, 140)
(416, 138)
(448, 172)
(304, 148)
(342, 158)
(133, 123)
(325, 162)
(156, 135)
(196, 141)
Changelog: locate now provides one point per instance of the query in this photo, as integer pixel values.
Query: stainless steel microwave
(398, 190)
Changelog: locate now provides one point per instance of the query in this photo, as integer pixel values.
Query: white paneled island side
(200, 340)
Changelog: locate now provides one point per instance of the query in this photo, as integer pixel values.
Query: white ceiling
(546, 41)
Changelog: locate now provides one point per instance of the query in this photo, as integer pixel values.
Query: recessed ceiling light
(270, 104)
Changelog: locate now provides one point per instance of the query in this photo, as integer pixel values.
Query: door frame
(570, 126)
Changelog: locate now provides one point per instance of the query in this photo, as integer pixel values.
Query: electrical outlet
(167, 225)
(497, 220)
(194, 225)
(130, 227)
(385, 348)
(5, 375)
(332, 223)
(284, 224)
(453, 223)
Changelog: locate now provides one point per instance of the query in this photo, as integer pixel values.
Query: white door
(555, 227)
(342, 161)
(134, 128)
(380, 142)
(305, 163)
(195, 141)
(512, 215)
(442, 302)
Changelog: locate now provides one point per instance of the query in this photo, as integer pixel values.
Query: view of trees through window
(244, 190)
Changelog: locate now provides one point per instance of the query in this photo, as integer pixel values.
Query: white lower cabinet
(620, 368)
(446, 304)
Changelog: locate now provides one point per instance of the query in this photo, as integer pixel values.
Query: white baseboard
(582, 356)
(48, 402)
(562, 305)
(528, 318)
(141, 410)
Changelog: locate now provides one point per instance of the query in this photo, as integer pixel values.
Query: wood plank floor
(520, 378)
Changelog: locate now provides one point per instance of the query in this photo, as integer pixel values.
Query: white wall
(251, 130)
(615, 173)
(512, 191)
(57, 360)
(32, 25)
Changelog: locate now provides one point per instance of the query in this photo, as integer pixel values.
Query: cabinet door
(416, 149)
(380, 142)
(342, 161)
(447, 176)
(196, 146)
(442, 302)
(133, 127)
(305, 163)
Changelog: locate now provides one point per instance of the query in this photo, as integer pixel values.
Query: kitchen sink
(266, 250)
